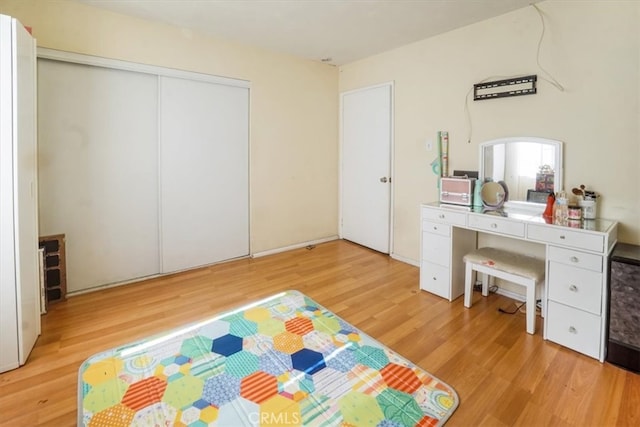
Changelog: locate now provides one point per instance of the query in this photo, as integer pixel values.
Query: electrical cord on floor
(492, 289)
(512, 312)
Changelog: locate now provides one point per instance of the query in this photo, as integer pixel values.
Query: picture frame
(538, 196)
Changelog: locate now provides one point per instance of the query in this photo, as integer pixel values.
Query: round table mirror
(493, 195)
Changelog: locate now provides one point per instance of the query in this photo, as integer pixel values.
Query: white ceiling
(335, 31)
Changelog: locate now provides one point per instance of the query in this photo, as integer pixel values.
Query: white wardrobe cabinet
(19, 271)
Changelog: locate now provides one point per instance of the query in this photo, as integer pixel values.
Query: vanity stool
(520, 269)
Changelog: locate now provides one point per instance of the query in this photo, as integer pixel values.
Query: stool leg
(531, 308)
(485, 284)
(468, 284)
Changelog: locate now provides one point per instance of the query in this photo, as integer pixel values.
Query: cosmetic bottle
(561, 209)
(477, 194)
(548, 211)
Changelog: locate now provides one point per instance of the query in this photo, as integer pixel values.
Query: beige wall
(591, 47)
(294, 108)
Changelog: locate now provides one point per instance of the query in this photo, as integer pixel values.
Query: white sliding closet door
(204, 173)
(98, 170)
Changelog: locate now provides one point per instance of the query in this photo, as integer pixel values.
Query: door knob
(383, 179)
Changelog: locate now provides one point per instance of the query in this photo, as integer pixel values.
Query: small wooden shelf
(54, 266)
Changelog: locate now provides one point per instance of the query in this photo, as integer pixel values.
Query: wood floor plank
(579, 390)
(629, 414)
(512, 403)
(502, 375)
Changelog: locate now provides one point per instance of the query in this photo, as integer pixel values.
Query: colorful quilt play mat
(284, 360)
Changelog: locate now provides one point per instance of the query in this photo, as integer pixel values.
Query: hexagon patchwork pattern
(288, 342)
(241, 364)
(183, 391)
(299, 326)
(308, 361)
(221, 389)
(400, 378)
(105, 394)
(144, 393)
(196, 347)
(275, 363)
(173, 367)
(102, 370)
(284, 360)
(258, 387)
(227, 345)
(372, 356)
(271, 327)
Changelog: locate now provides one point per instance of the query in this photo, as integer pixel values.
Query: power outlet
(429, 145)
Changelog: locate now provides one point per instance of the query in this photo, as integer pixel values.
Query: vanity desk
(575, 296)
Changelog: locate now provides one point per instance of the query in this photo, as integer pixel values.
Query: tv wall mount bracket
(504, 88)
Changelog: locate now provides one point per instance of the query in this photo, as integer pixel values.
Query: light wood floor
(503, 375)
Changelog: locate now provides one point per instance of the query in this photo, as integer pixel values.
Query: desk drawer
(435, 279)
(574, 328)
(575, 258)
(444, 216)
(436, 228)
(436, 248)
(496, 225)
(575, 287)
(566, 237)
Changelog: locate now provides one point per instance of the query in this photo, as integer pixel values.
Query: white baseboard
(296, 246)
(153, 276)
(509, 294)
(113, 285)
(405, 260)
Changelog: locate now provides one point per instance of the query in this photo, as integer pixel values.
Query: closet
(204, 177)
(144, 169)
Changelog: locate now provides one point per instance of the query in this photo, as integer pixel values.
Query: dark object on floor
(624, 307)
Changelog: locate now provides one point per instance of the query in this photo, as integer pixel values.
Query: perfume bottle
(477, 194)
(548, 211)
(561, 209)
(588, 205)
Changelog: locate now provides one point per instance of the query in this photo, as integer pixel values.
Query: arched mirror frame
(558, 166)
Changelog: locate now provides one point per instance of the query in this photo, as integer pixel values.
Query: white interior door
(204, 173)
(366, 167)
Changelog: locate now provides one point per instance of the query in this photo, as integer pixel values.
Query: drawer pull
(573, 288)
(441, 216)
(434, 278)
(435, 228)
(574, 259)
(562, 237)
(573, 330)
(494, 225)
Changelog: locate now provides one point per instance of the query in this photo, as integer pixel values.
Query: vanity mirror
(493, 195)
(529, 167)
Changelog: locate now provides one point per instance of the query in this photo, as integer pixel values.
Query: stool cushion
(518, 264)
